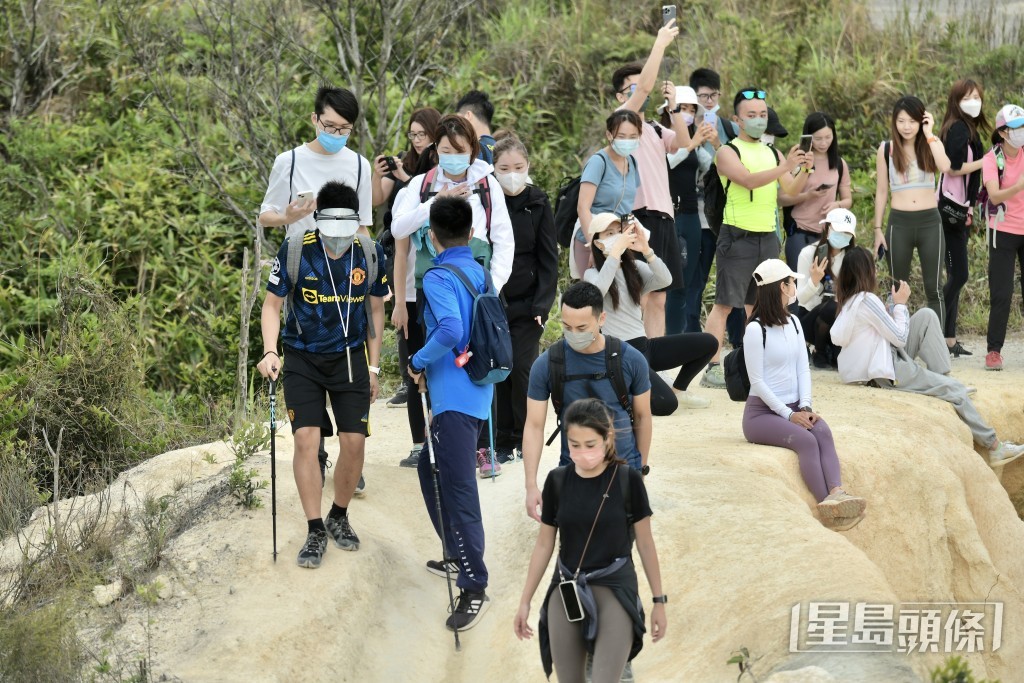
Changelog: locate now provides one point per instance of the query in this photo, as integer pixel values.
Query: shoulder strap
(295, 241)
(556, 375)
(359, 170)
(613, 366)
(764, 333)
(657, 129)
(888, 154)
(627, 493)
(370, 254)
(426, 189)
(840, 181)
(558, 477)
(459, 273)
(291, 177)
(485, 199)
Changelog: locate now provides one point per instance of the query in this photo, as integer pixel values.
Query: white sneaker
(1005, 453)
(688, 399)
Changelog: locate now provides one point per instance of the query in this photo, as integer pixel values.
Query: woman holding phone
(825, 188)
(906, 166)
(597, 506)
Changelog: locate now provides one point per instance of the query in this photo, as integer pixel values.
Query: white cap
(686, 95)
(773, 270)
(841, 220)
(601, 222)
(337, 222)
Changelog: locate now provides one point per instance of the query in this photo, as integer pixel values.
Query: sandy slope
(738, 541)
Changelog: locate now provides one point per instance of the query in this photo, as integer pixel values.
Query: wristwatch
(416, 370)
(645, 470)
(663, 599)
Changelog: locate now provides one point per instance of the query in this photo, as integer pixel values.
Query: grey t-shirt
(638, 380)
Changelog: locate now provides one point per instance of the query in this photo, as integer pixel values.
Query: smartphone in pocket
(805, 143)
(571, 600)
(668, 13)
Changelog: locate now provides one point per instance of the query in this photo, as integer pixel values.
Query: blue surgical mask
(625, 147)
(839, 240)
(331, 143)
(453, 164)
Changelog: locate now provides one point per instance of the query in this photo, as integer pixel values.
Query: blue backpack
(490, 340)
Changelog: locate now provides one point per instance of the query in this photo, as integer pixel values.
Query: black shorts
(309, 378)
(665, 243)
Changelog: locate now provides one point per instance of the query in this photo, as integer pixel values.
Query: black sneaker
(313, 550)
(325, 465)
(438, 567)
(469, 607)
(957, 350)
(414, 458)
(400, 398)
(342, 533)
(360, 487)
(505, 456)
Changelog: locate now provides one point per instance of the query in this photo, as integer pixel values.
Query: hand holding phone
(306, 196)
(668, 13)
(805, 143)
(392, 164)
(711, 118)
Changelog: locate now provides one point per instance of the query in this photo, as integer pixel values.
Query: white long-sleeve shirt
(807, 293)
(409, 215)
(777, 365)
(867, 332)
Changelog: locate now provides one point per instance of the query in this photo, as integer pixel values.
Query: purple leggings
(819, 464)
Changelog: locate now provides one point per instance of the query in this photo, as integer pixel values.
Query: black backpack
(715, 193)
(490, 341)
(737, 381)
(613, 372)
(566, 200)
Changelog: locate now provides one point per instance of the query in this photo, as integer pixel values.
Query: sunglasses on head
(753, 94)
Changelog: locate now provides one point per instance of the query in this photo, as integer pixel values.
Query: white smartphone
(711, 118)
(306, 196)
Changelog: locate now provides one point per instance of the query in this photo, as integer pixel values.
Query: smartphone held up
(668, 14)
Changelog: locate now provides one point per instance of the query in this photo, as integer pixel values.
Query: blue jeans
(683, 306)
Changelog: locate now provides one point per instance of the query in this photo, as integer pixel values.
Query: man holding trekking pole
(460, 408)
(335, 284)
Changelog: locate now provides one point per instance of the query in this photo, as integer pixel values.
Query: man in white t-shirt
(306, 168)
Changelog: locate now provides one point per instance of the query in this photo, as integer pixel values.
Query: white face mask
(512, 183)
(971, 107)
(1016, 137)
(607, 243)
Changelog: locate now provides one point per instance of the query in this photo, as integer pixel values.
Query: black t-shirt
(682, 183)
(574, 514)
(958, 139)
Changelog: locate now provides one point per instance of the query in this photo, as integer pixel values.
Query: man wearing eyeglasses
(310, 165)
(653, 206)
(751, 174)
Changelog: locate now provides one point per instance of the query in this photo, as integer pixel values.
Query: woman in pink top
(826, 187)
(1002, 172)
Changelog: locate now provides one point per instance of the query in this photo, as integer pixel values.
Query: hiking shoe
(841, 504)
(505, 456)
(483, 461)
(714, 376)
(957, 350)
(413, 459)
(994, 361)
(341, 531)
(469, 607)
(688, 399)
(325, 465)
(360, 487)
(400, 398)
(313, 549)
(820, 361)
(627, 674)
(843, 523)
(1005, 453)
(971, 391)
(439, 566)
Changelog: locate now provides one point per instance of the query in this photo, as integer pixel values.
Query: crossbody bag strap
(594, 525)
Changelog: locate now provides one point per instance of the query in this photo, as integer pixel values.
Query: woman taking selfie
(906, 166)
(961, 133)
(596, 506)
(880, 344)
(778, 410)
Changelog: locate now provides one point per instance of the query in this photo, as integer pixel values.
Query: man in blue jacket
(460, 408)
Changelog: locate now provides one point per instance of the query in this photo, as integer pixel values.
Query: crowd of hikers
(468, 259)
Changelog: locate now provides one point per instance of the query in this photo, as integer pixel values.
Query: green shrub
(40, 645)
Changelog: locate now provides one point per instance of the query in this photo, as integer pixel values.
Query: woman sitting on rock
(880, 343)
(778, 410)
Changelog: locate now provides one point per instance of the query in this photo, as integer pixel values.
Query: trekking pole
(490, 437)
(273, 461)
(437, 501)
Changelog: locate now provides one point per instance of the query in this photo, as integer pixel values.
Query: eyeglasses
(753, 94)
(336, 130)
(628, 90)
(709, 96)
(422, 135)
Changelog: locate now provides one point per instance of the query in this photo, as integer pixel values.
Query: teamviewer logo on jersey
(310, 296)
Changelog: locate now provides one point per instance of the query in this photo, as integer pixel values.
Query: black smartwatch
(416, 370)
(645, 470)
(663, 599)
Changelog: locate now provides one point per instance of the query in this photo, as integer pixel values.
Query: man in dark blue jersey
(331, 348)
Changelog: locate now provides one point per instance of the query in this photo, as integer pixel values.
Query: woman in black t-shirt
(596, 506)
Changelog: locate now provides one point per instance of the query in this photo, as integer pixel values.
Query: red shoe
(993, 361)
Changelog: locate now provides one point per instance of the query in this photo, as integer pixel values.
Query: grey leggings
(819, 464)
(611, 650)
(923, 230)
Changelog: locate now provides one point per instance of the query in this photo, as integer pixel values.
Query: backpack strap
(427, 187)
(459, 273)
(556, 375)
(728, 182)
(558, 477)
(886, 147)
(613, 366)
(291, 177)
(370, 254)
(294, 260)
(627, 498)
(657, 129)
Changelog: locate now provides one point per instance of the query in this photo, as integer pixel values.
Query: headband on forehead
(338, 222)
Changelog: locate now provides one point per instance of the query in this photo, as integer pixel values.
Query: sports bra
(913, 179)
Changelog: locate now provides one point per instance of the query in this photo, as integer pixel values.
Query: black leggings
(956, 274)
(692, 351)
(413, 405)
(817, 324)
(1005, 250)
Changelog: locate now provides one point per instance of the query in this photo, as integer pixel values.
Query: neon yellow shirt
(754, 211)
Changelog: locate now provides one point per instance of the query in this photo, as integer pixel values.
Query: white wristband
(374, 370)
